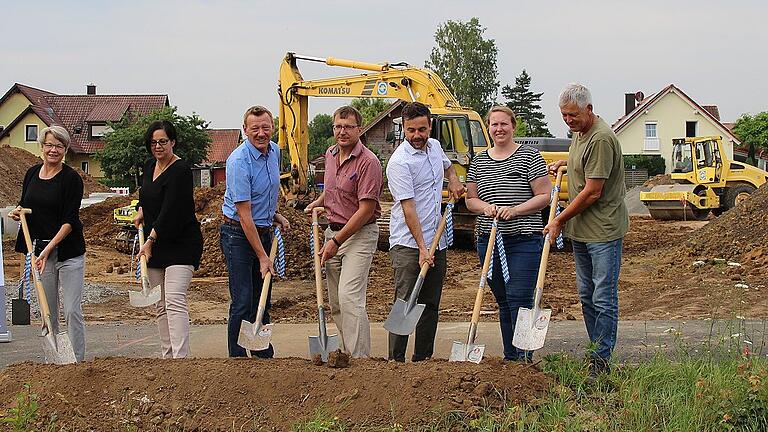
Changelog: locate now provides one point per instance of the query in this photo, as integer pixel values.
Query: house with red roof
(25, 110)
(650, 123)
(212, 171)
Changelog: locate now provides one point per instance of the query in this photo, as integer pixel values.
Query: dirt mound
(660, 179)
(98, 223)
(739, 234)
(14, 163)
(90, 185)
(237, 394)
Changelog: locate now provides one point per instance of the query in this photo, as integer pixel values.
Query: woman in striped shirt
(510, 181)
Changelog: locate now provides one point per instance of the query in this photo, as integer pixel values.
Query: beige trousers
(172, 309)
(347, 275)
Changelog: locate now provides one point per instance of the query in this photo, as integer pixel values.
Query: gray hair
(575, 93)
(58, 132)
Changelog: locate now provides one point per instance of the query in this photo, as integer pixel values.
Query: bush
(654, 164)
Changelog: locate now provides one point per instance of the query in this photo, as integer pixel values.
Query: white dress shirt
(418, 175)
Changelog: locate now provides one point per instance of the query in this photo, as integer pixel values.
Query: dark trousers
(523, 255)
(245, 283)
(405, 262)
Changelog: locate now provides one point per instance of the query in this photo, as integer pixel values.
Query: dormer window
(98, 131)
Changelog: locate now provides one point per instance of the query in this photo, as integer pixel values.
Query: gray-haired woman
(53, 191)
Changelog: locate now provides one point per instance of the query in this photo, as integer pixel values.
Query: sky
(217, 58)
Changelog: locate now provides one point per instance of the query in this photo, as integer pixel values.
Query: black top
(169, 207)
(54, 202)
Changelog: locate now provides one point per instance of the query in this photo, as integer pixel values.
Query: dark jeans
(523, 257)
(597, 278)
(244, 285)
(405, 262)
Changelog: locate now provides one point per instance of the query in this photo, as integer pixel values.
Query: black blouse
(54, 202)
(168, 204)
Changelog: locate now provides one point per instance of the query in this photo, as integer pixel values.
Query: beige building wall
(94, 167)
(12, 107)
(670, 114)
(17, 136)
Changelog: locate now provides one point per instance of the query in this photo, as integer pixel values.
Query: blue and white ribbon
(25, 285)
(133, 260)
(449, 224)
(280, 260)
(559, 240)
(501, 251)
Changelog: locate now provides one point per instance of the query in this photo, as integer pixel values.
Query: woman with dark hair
(53, 191)
(174, 242)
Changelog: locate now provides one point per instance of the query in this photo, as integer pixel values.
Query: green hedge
(654, 164)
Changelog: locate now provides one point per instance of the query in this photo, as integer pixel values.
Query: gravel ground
(92, 293)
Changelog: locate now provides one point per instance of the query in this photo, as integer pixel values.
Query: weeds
(22, 416)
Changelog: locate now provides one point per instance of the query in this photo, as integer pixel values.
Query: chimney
(629, 103)
(90, 89)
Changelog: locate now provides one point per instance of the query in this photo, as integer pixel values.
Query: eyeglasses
(344, 127)
(161, 141)
(49, 146)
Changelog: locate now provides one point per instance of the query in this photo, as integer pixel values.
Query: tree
(320, 131)
(370, 107)
(525, 104)
(466, 62)
(753, 131)
(124, 153)
(521, 129)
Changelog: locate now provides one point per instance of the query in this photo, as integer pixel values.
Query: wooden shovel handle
(268, 277)
(43, 300)
(436, 240)
(316, 254)
(484, 273)
(547, 244)
(143, 260)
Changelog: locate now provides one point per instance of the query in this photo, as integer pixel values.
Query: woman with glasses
(174, 243)
(53, 191)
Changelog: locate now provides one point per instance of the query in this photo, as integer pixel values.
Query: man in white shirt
(415, 177)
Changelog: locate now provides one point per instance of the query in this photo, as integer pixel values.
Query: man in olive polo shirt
(596, 216)
(353, 182)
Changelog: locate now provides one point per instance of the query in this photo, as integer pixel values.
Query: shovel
(257, 336)
(57, 347)
(322, 344)
(405, 315)
(469, 351)
(147, 296)
(532, 324)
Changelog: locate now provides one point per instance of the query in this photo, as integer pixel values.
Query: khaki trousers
(172, 309)
(347, 275)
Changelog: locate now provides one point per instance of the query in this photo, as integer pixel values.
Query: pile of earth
(243, 394)
(660, 179)
(740, 234)
(99, 227)
(14, 163)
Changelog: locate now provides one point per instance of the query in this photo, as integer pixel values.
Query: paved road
(638, 340)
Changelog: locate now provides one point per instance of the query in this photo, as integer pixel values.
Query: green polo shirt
(596, 154)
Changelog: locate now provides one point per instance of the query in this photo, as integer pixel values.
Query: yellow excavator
(123, 218)
(460, 130)
(704, 179)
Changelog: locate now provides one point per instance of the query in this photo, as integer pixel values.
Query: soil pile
(14, 163)
(238, 394)
(739, 234)
(98, 222)
(660, 179)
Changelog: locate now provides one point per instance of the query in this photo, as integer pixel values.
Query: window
(691, 129)
(84, 166)
(651, 137)
(30, 133)
(98, 131)
(478, 137)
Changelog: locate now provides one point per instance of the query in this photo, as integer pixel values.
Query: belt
(233, 222)
(339, 227)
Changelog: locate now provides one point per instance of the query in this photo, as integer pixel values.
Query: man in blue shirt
(249, 211)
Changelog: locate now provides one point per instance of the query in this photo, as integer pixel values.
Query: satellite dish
(639, 96)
